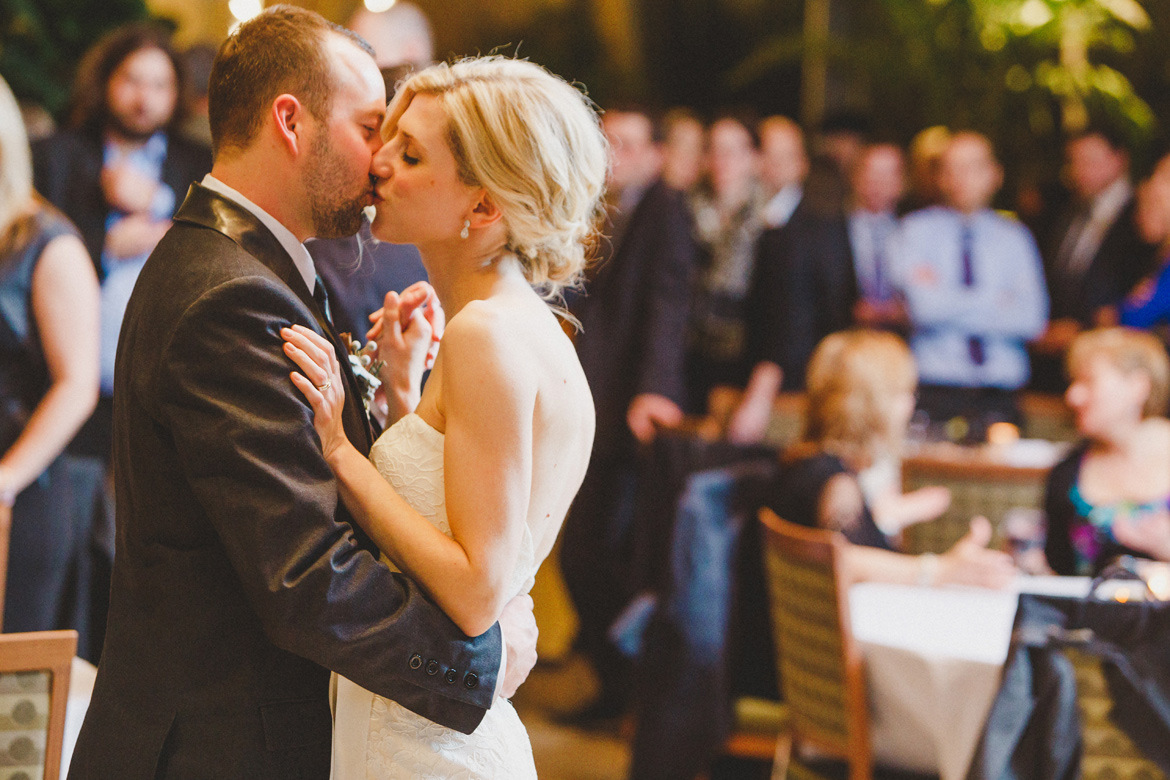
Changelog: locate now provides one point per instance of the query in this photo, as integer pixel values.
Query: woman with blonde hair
(48, 385)
(1111, 495)
(494, 169)
(861, 394)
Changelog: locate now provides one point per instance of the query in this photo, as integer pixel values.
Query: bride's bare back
(543, 382)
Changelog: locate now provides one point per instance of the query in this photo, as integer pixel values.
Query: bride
(494, 169)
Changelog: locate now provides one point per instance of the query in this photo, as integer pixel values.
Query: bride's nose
(380, 165)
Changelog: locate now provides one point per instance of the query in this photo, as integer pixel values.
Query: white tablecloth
(81, 678)
(933, 659)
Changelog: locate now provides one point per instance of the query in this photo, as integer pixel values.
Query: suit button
(471, 680)
(432, 667)
(415, 661)
(451, 676)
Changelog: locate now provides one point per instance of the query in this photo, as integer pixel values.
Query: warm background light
(378, 6)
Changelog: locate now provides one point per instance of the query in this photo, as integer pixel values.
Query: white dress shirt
(296, 250)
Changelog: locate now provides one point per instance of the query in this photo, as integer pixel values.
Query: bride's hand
(407, 330)
(321, 383)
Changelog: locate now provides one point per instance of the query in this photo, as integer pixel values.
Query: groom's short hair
(277, 52)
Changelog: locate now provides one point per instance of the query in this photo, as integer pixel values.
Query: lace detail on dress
(400, 743)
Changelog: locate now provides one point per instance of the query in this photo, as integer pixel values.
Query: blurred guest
(926, 151)
(682, 149)
(119, 171)
(860, 400)
(726, 209)
(359, 270)
(1095, 255)
(633, 318)
(879, 180)
(974, 288)
(48, 387)
(803, 285)
(836, 147)
(197, 62)
(1148, 305)
(1111, 495)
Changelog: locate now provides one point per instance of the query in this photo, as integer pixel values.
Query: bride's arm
(488, 405)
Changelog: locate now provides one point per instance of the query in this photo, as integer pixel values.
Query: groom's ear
(288, 117)
(485, 211)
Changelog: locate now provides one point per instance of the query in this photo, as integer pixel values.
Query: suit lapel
(210, 209)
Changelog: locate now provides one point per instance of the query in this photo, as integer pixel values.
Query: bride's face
(419, 197)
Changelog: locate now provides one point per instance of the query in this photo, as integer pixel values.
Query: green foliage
(41, 42)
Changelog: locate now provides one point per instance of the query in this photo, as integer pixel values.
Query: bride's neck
(459, 280)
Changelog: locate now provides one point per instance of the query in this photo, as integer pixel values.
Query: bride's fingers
(316, 347)
(317, 373)
(317, 340)
(308, 390)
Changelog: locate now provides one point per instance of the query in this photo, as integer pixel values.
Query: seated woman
(860, 400)
(1111, 495)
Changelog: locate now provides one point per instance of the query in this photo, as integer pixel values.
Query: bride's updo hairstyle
(535, 144)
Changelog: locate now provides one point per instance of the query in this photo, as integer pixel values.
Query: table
(933, 658)
(81, 679)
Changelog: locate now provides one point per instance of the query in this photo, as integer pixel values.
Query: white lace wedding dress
(377, 739)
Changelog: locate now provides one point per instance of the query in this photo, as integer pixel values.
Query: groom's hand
(518, 628)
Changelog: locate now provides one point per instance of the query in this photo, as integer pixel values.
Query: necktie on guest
(974, 343)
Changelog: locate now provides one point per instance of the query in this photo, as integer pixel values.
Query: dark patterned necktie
(322, 299)
(974, 343)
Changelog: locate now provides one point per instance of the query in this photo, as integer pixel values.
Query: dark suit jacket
(238, 581)
(804, 289)
(67, 171)
(1122, 260)
(634, 313)
(359, 271)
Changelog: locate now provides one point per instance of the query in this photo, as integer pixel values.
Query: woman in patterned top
(1111, 495)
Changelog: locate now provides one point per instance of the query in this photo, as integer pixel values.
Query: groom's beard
(335, 201)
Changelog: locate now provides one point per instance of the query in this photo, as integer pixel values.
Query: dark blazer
(238, 581)
(359, 271)
(804, 289)
(1121, 261)
(67, 171)
(634, 313)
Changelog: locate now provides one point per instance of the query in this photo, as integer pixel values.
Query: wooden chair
(34, 687)
(819, 662)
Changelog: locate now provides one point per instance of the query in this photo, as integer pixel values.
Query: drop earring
(466, 231)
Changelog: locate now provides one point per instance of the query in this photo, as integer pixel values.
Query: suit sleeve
(250, 454)
(670, 276)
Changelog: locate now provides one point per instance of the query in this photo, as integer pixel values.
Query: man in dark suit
(1094, 256)
(240, 580)
(803, 288)
(633, 316)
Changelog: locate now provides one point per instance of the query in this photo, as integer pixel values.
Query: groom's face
(337, 167)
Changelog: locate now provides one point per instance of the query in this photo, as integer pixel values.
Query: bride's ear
(485, 212)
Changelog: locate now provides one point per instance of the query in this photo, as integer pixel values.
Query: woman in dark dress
(860, 400)
(48, 386)
(1111, 495)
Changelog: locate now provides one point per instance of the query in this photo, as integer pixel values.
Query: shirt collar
(1111, 200)
(783, 204)
(296, 250)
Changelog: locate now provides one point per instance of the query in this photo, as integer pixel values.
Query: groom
(239, 579)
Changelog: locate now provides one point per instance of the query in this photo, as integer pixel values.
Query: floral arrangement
(365, 365)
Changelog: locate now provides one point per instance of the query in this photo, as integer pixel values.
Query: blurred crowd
(732, 249)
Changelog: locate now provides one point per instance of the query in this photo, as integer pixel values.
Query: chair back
(820, 665)
(1107, 752)
(34, 688)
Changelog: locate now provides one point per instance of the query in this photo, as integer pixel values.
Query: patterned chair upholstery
(990, 491)
(819, 662)
(1107, 752)
(34, 687)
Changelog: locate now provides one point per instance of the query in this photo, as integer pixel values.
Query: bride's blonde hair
(535, 144)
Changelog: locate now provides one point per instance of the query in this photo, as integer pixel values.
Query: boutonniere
(365, 366)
